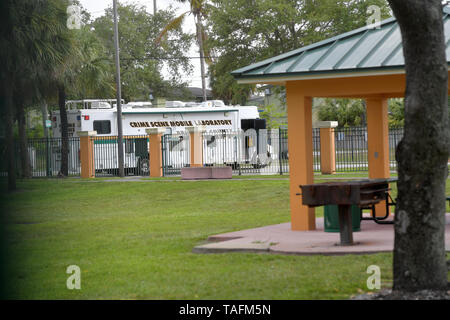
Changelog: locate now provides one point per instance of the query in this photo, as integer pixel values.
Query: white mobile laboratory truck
(214, 116)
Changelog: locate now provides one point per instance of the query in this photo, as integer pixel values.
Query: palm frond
(172, 25)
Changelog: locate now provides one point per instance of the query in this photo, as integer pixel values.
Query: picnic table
(389, 202)
(364, 193)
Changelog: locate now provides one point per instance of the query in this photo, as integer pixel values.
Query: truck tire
(143, 167)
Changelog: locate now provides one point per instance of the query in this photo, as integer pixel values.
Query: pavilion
(366, 63)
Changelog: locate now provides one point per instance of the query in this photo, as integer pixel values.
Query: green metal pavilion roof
(366, 51)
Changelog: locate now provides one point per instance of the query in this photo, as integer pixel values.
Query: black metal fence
(266, 151)
(248, 153)
(395, 135)
(251, 152)
(316, 149)
(175, 153)
(352, 149)
(44, 157)
(136, 156)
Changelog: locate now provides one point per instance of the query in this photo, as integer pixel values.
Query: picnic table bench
(389, 202)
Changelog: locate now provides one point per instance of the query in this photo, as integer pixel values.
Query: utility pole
(118, 94)
(154, 7)
(202, 56)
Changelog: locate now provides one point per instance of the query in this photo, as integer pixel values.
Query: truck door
(255, 124)
(142, 156)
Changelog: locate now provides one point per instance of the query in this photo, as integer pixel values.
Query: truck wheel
(144, 167)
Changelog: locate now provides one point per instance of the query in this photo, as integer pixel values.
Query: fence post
(196, 145)
(48, 157)
(155, 156)
(87, 153)
(327, 147)
(280, 153)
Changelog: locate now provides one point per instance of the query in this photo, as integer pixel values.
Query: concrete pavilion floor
(280, 239)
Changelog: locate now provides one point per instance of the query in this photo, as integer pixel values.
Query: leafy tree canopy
(142, 58)
(273, 117)
(347, 112)
(246, 31)
(396, 113)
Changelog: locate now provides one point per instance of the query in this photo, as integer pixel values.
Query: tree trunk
(44, 112)
(64, 171)
(23, 142)
(10, 148)
(422, 155)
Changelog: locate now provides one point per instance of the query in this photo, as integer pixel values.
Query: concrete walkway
(280, 239)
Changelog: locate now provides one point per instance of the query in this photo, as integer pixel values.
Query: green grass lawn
(134, 240)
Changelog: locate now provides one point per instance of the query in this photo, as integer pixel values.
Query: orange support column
(196, 145)
(87, 153)
(378, 143)
(155, 156)
(299, 110)
(327, 148)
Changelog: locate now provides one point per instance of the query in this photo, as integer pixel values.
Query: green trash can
(331, 218)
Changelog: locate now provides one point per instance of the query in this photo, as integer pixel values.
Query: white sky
(97, 7)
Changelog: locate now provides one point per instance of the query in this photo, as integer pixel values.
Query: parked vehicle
(217, 119)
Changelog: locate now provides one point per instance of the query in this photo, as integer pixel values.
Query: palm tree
(34, 39)
(38, 53)
(23, 143)
(199, 11)
(84, 73)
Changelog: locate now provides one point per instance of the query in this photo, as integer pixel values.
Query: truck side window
(102, 126)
